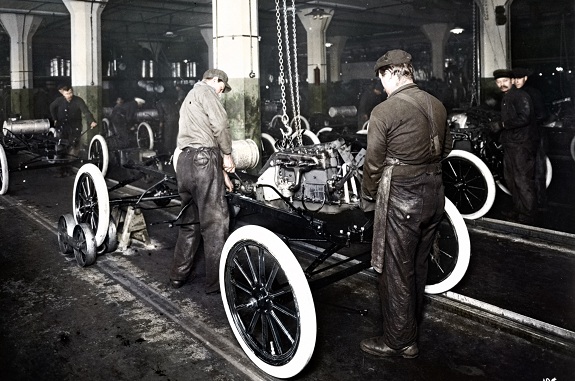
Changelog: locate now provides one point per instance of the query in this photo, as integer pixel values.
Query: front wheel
(268, 301)
(451, 252)
(145, 136)
(548, 177)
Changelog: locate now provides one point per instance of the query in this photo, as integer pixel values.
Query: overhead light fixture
(318, 13)
(169, 34)
(457, 30)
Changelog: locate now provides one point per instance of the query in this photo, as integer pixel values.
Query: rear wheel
(468, 183)
(267, 301)
(145, 136)
(91, 202)
(98, 153)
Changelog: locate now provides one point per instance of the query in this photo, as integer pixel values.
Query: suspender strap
(435, 146)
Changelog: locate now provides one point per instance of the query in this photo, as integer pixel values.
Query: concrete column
(21, 29)
(335, 52)
(236, 51)
(494, 42)
(438, 34)
(86, 55)
(208, 35)
(316, 27)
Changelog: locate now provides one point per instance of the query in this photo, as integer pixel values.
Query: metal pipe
(34, 13)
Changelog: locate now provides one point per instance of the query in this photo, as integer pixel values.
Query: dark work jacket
(518, 118)
(400, 131)
(70, 113)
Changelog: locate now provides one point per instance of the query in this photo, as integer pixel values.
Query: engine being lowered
(324, 177)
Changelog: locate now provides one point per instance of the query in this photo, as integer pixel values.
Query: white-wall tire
(91, 202)
(4, 172)
(548, 177)
(145, 136)
(98, 153)
(254, 264)
(468, 183)
(452, 261)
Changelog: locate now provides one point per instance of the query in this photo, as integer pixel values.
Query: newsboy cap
(392, 57)
(520, 72)
(503, 73)
(211, 73)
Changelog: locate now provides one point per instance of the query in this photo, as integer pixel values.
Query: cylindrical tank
(245, 153)
(33, 126)
(342, 111)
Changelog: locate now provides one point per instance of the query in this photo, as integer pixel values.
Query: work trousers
(415, 210)
(202, 192)
(519, 173)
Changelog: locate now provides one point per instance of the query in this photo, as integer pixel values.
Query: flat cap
(211, 73)
(520, 72)
(392, 57)
(503, 73)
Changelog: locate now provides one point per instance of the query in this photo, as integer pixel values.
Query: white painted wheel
(268, 301)
(177, 153)
(572, 148)
(309, 137)
(98, 153)
(4, 173)
(145, 136)
(468, 183)
(448, 266)
(91, 202)
(548, 177)
(322, 130)
(106, 127)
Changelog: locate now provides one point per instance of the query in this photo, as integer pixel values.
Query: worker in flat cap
(520, 141)
(402, 184)
(520, 80)
(206, 157)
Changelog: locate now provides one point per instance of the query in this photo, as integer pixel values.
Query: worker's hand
(229, 165)
(93, 125)
(228, 182)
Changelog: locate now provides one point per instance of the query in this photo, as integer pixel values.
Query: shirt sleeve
(374, 157)
(219, 123)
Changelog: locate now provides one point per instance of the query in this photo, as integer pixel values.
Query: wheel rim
(85, 248)
(465, 185)
(3, 171)
(144, 136)
(98, 153)
(262, 303)
(63, 234)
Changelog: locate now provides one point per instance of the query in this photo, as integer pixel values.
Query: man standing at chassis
(406, 140)
(520, 141)
(206, 145)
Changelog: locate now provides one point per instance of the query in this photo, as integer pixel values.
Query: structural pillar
(21, 29)
(236, 51)
(494, 40)
(208, 35)
(86, 56)
(315, 26)
(335, 52)
(438, 34)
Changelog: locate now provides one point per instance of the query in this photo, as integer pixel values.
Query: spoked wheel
(468, 183)
(85, 250)
(145, 136)
(572, 148)
(52, 145)
(267, 301)
(98, 153)
(548, 177)
(451, 252)
(4, 176)
(66, 225)
(308, 137)
(91, 203)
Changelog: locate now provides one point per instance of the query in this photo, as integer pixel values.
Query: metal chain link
(296, 80)
(281, 79)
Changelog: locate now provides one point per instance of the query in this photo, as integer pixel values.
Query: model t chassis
(44, 148)
(306, 202)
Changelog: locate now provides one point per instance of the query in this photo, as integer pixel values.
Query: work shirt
(399, 130)
(203, 120)
(70, 113)
(518, 118)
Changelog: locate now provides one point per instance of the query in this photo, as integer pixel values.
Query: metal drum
(245, 153)
(33, 126)
(342, 111)
(147, 114)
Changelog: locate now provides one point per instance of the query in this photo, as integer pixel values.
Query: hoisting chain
(296, 82)
(284, 116)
